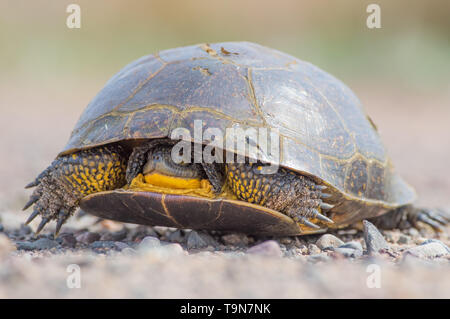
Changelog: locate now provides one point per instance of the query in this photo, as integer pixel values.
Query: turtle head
(159, 161)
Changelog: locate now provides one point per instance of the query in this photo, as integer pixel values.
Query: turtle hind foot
(410, 216)
(305, 214)
(436, 218)
(309, 207)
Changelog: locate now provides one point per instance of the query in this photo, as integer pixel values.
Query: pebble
(373, 238)
(163, 251)
(88, 237)
(176, 236)
(197, 240)
(313, 249)
(68, 240)
(235, 239)
(116, 236)
(149, 242)
(21, 233)
(328, 240)
(102, 245)
(429, 250)
(40, 244)
(403, 239)
(173, 249)
(436, 241)
(140, 232)
(322, 257)
(121, 245)
(267, 248)
(413, 232)
(348, 252)
(353, 245)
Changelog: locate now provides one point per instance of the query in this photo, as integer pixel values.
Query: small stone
(313, 249)
(103, 245)
(322, 257)
(140, 232)
(373, 238)
(391, 237)
(403, 239)
(88, 237)
(348, 252)
(303, 249)
(197, 240)
(267, 248)
(413, 232)
(328, 240)
(436, 241)
(235, 239)
(430, 250)
(173, 249)
(149, 242)
(176, 236)
(40, 244)
(121, 245)
(68, 240)
(116, 236)
(353, 245)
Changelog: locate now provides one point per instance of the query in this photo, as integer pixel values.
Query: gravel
(197, 240)
(327, 241)
(268, 248)
(375, 241)
(356, 245)
(149, 242)
(429, 250)
(88, 237)
(40, 244)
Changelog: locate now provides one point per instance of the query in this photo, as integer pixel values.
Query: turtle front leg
(295, 195)
(61, 186)
(409, 215)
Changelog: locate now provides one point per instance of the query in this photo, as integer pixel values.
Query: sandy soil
(35, 124)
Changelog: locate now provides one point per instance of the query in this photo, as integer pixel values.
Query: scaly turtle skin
(334, 169)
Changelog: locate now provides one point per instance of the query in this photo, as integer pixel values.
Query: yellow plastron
(158, 183)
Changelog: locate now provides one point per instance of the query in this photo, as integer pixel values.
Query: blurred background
(401, 72)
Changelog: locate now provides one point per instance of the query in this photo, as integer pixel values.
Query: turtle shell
(156, 209)
(324, 131)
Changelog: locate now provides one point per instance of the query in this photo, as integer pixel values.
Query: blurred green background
(411, 49)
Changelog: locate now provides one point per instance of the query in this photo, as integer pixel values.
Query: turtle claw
(32, 216)
(321, 217)
(325, 195)
(33, 199)
(306, 222)
(435, 218)
(60, 220)
(32, 184)
(325, 206)
(44, 222)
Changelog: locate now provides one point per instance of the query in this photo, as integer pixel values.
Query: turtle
(332, 169)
